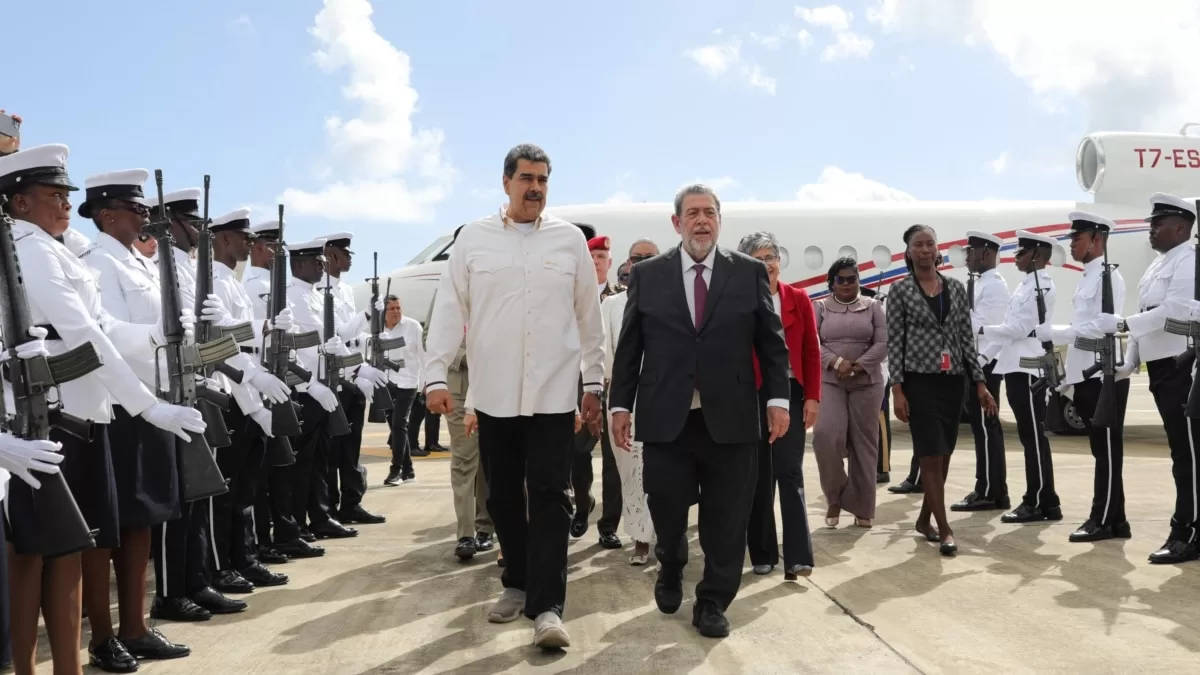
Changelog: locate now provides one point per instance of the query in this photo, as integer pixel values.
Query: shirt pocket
(141, 297)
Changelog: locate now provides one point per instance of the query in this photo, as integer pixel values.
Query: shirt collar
(688, 263)
(537, 224)
(1096, 265)
(221, 270)
(297, 281)
(107, 242)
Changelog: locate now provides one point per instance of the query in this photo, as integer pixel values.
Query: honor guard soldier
(144, 461)
(310, 496)
(989, 308)
(1089, 238)
(242, 461)
(347, 493)
(182, 547)
(1166, 289)
(256, 277)
(1013, 340)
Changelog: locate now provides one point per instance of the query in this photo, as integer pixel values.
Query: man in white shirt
(1089, 238)
(403, 385)
(524, 286)
(256, 277)
(1167, 290)
(988, 308)
(1010, 341)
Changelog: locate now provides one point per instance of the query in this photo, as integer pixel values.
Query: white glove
(322, 395)
(1108, 323)
(1125, 370)
(1044, 333)
(176, 419)
(21, 457)
(366, 386)
(377, 377)
(187, 318)
(262, 417)
(379, 304)
(215, 312)
(269, 386)
(335, 347)
(283, 321)
(1067, 391)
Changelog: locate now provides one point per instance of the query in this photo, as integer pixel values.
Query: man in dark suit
(695, 317)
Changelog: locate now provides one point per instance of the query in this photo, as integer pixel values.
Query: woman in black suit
(930, 349)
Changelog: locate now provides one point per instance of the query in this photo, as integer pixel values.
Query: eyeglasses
(769, 259)
(846, 281)
(635, 259)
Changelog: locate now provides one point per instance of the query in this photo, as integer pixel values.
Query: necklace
(845, 302)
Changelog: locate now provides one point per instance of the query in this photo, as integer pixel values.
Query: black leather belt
(248, 350)
(51, 332)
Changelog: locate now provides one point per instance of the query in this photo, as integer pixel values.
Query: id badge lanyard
(942, 316)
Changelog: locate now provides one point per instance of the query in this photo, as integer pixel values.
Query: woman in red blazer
(783, 461)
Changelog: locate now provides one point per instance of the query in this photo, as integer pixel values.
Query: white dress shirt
(352, 325)
(612, 309)
(527, 294)
(66, 296)
(257, 282)
(129, 292)
(1010, 339)
(226, 287)
(413, 353)
(991, 304)
(1170, 275)
(307, 306)
(185, 274)
(1086, 308)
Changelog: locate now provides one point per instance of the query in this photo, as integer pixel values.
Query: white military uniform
(129, 292)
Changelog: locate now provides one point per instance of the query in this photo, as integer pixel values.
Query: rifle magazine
(242, 332)
(217, 351)
(389, 344)
(73, 364)
(305, 340)
(1186, 328)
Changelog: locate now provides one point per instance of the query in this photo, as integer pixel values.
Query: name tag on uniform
(945, 365)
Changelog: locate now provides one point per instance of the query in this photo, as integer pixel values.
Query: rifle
(285, 418)
(59, 526)
(200, 477)
(1190, 329)
(378, 348)
(1105, 349)
(1049, 365)
(330, 372)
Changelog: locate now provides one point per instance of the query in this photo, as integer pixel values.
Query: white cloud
(846, 43)
(379, 153)
(838, 186)
(1000, 164)
(832, 17)
(805, 38)
(1130, 67)
(242, 25)
(722, 58)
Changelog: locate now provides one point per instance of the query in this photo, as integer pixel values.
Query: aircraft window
(814, 258)
(444, 255)
(882, 257)
(1058, 256)
(956, 256)
(784, 258)
(430, 250)
(847, 252)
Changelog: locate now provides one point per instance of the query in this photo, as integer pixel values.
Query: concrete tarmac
(1016, 599)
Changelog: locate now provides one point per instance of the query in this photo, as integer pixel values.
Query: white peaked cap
(313, 247)
(122, 178)
(1027, 236)
(35, 164)
(1095, 220)
(125, 185)
(184, 195)
(1164, 204)
(989, 238)
(267, 225)
(232, 217)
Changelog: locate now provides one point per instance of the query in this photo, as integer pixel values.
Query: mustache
(533, 196)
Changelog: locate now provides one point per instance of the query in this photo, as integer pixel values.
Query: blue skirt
(147, 471)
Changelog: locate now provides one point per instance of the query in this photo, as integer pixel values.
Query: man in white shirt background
(524, 285)
(403, 385)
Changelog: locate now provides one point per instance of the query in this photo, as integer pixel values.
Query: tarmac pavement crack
(870, 628)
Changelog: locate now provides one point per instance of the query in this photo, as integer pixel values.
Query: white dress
(635, 511)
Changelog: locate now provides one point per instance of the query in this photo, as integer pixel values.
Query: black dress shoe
(465, 550)
(484, 542)
(229, 581)
(883, 477)
(610, 541)
(177, 609)
(299, 548)
(1175, 551)
(154, 645)
(332, 529)
(262, 577)
(211, 599)
(112, 656)
(668, 591)
(906, 488)
(418, 452)
(709, 620)
(307, 535)
(271, 555)
(358, 514)
(1092, 531)
(393, 477)
(1032, 514)
(579, 525)
(976, 502)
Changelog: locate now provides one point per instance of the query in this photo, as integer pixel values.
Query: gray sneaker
(549, 632)
(508, 608)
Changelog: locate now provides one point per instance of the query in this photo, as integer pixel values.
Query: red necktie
(701, 293)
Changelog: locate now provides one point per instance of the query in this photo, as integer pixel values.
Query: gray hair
(526, 151)
(694, 189)
(757, 241)
(643, 240)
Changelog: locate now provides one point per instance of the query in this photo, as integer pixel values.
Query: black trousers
(273, 506)
(233, 512)
(991, 472)
(180, 551)
(309, 492)
(1030, 412)
(344, 454)
(433, 425)
(1170, 384)
(523, 455)
(582, 476)
(721, 479)
(885, 432)
(1108, 449)
(402, 403)
(782, 463)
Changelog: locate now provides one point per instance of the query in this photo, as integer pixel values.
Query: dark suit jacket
(660, 354)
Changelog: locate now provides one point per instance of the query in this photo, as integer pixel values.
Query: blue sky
(631, 99)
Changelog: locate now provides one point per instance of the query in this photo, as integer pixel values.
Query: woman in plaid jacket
(931, 361)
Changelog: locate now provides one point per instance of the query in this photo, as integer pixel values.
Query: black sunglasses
(846, 281)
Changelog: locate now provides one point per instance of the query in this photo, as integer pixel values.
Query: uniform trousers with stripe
(233, 512)
(310, 492)
(1171, 384)
(344, 454)
(182, 551)
(1030, 412)
(991, 473)
(884, 464)
(1108, 449)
